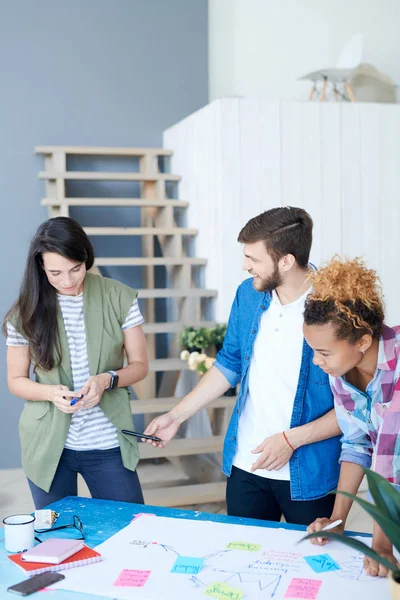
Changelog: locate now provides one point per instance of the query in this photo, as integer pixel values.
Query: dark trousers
(252, 496)
(103, 472)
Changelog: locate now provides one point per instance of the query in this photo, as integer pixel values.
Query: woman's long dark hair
(36, 307)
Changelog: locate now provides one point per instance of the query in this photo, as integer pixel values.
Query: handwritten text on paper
(132, 578)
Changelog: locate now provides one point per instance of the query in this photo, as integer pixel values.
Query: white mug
(19, 533)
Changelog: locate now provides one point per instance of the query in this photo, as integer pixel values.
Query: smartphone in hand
(141, 435)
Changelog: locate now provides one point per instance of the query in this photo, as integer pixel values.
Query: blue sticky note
(321, 563)
(188, 565)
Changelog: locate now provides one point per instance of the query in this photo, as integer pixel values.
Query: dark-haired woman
(74, 327)
(344, 325)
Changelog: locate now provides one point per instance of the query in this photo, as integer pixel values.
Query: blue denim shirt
(314, 468)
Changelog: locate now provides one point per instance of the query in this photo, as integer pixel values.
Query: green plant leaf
(389, 527)
(194, 339)
(385, 495)
(356, 545)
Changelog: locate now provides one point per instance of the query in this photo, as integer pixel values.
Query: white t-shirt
(273, 379)
(90, 429)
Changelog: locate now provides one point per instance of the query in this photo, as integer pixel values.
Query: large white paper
(231, 557)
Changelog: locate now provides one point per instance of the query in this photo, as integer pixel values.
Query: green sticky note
(222, 591)
(243, 546)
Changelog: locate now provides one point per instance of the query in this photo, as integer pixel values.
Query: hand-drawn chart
(160, 557)
(353, 568)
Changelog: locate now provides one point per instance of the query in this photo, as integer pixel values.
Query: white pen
(330, 526)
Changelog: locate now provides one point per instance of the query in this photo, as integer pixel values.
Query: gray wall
(83, 72)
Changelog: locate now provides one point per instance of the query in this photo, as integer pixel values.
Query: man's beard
(270, 283)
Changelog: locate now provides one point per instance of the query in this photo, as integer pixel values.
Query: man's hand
(93, 389)
(274, 453)
(318, 524)
(165, 427)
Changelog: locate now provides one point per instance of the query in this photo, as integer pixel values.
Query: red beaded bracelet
(287, 441)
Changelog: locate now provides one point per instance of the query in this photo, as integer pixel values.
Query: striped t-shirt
(90, 429)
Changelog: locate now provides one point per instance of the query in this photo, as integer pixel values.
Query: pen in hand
(74, 401)
(330, 526)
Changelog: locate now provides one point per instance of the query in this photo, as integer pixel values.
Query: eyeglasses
(77, 524)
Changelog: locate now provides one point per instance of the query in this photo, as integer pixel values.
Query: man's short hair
(284, 230)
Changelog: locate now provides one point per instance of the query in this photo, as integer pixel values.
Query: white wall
(341, 162)
(258, 48)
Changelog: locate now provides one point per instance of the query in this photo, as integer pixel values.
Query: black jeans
(255, 497)
(103, 472)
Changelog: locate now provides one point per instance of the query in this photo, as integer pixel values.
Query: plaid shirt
(370, 421)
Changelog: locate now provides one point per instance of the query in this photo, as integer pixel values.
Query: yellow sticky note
(243, 546)
(222, 591)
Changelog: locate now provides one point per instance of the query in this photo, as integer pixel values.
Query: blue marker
(74, 401)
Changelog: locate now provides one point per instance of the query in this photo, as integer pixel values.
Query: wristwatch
(114, 380)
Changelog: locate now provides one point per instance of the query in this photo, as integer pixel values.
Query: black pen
(141, 435)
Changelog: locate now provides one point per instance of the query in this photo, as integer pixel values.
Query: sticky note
(132, 578)
(306, 589)
(243, 546)
(321, 563)
(222, 591)
(187, 564)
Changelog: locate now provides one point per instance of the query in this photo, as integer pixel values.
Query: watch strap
(114, 376)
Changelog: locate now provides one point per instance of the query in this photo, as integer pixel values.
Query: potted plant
(195, 342)
(386, 512)
(197, 361)
(193, 339)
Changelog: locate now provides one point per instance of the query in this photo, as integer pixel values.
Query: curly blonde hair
(349, 295)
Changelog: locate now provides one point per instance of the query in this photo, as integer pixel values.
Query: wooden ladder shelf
(157, 221)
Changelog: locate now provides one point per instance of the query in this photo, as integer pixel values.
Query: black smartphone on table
(35, 583)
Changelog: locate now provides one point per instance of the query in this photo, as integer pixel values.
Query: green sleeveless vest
(43, 428)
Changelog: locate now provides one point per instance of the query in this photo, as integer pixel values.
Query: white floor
(15, 495)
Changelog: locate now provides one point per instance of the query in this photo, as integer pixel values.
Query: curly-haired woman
(344, 325)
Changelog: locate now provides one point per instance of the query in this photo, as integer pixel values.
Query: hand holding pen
(62, 398)
(324, 524)
(75, 400)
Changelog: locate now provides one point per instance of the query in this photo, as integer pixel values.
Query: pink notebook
(52, 551)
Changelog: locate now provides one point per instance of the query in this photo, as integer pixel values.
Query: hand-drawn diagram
(354, 569)
(261, 575)
(195, 560)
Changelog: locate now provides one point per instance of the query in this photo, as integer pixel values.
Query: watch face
(114, 382)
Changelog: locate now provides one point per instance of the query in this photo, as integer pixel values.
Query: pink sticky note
(142, 515)
(132, 578)
(306, 589)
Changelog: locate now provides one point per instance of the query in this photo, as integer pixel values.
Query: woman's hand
(93, 389)
(317, 525)
(61, 397)
(382, 545)
(375, 569)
